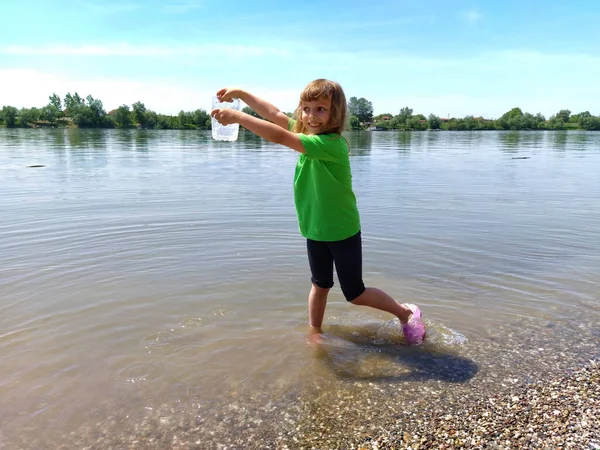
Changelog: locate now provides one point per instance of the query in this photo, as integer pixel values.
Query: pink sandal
(414, 329)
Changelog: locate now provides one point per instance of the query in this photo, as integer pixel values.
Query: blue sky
(441, 57)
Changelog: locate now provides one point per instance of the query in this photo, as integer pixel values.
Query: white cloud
(490, 106)
(27, 88)
(487, 84)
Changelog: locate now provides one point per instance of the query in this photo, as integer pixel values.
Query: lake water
(156, 280)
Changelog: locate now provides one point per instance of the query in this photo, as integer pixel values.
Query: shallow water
(145, 271)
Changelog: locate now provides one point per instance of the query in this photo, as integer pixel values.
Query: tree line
(361, 117)
(89, 112)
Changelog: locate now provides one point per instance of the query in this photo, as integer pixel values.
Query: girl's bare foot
(315, 337)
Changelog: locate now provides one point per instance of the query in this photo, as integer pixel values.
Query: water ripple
(138, 264)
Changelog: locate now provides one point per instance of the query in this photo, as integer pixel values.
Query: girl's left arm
(264, 129)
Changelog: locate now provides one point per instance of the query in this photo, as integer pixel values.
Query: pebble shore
(562, 413)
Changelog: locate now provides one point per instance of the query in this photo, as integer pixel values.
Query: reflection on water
(153, 273)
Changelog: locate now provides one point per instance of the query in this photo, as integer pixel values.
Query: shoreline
(561, 412)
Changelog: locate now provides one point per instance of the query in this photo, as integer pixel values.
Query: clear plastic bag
(225, 132)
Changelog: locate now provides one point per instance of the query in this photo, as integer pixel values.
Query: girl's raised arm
(266, 130)
(260, 106)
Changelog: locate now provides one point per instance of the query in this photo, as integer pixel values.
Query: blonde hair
(316, 90)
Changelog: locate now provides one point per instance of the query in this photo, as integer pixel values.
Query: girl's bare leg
(376, 298)
(317, 301)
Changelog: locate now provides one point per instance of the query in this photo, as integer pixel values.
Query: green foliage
(72, 101)
(434, 122)
(55, 101)
(140, 114)
(564, 115)
(515, 119)
(590, 123)
(9, 116)
(87, 115)
(201, 119)
(404, 116)
(89, 112)
(123, 117)
(418, 122)
(361, 108)
(28, 117)
(50, 113)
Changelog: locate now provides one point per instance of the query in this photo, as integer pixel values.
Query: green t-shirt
(325, 203)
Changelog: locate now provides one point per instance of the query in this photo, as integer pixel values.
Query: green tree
(361, 108)
(151, 120)
(353, 106)
(528, 122)
(579, 118)
(394, 123)
(81, 115)
(96, 111)
(28, 117)
(563, 115)
(365, 110)
(139, 114)
(434, 122)
(9, 115)
(123, 117)
(71, 101)
(513, 113)
(384, 124)
(49, 113)
(86, 113)
(109, 121)
(200, 118)
(167, 122)
(186, 120)
(511, 120)
(556, 123)
(418, 122)
(55, 101)
(404, 116)
(590, 123)
(354, 122)
(540, 120)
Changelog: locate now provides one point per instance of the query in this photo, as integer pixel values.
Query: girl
(325, 203)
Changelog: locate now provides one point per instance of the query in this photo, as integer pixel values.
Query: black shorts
(347, 256)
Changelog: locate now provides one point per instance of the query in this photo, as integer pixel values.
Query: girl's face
(316, 114)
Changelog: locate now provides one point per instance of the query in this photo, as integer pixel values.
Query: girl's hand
(226, 116)
(228, 94)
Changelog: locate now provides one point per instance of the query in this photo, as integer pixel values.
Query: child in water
(328, 216)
